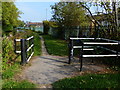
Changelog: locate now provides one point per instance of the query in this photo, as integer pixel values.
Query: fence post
(33, 44)
(81, 55)
(14, 45)
(81, 58)
(23, 52)
(70, 48)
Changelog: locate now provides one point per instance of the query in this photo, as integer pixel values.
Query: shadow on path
(61, 60)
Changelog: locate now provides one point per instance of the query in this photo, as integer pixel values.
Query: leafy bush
(46, 27)
(7, 29)
(8, 52)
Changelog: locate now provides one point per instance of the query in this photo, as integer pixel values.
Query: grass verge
(8, 80)
(37, 47)
(16, 84)
(55, 46)
(90, 81)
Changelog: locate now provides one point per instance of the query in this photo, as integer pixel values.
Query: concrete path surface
(46, 69)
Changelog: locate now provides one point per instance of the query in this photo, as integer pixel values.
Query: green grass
(55, 46)
(90, 81)
(11, 70)
(37, 47)
(10, 82)
(16, 84)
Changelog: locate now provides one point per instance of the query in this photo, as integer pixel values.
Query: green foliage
(7, 47)
(46, 27)
(29, 33)
(7, 29)
(10, 72)
(56, 46)
(7, 53)
(68, 14)
(90, 81)
(21, 23)
(15, 84)
(107, 14)
(10, 65)
(0, 10)
(10, 14)
(37, 47)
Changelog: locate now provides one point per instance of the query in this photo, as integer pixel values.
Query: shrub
(46, 27)
(7, 52)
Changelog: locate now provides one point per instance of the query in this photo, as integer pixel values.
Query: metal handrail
(95, 44)
(24, 49)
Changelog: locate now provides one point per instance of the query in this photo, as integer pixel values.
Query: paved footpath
(46, 69)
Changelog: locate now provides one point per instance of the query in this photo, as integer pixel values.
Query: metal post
(14, 45)
(81, 57)
(23, 52)
(33, 44)
(69, 45)
(72, 49)
(26, 47)
(117, 58)
(29, 52)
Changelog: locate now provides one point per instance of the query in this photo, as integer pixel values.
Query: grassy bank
(90, 81)
(55, 46)
(11, 62)
(37, 47)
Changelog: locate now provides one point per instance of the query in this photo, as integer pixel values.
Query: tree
(21, 23)
(10, 14)
(0, 11)
(68, 15)
(46, 25)
(109, 12)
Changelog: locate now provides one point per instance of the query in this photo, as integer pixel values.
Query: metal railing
(90, 46)
(26, 48)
